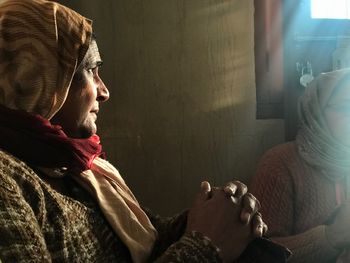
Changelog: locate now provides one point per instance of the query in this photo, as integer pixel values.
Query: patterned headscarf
(41, 45)
(316, 144)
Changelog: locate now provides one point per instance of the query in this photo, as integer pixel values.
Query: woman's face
(337, 114)
(79, 112)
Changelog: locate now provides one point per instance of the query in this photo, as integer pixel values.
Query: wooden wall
(182, 106)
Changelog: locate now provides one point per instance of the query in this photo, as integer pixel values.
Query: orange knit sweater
(296, 203)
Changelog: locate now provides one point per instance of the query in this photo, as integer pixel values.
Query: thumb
(204, 194)
(205, 187)
(205, 190)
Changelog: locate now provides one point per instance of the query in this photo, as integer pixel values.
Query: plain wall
(182, 106)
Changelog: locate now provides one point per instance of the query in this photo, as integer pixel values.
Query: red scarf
(36, 141)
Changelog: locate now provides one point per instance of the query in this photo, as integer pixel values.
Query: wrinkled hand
(227, 216)
(250, 206)
(338, 232)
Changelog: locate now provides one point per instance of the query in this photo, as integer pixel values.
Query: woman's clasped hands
(228, 216)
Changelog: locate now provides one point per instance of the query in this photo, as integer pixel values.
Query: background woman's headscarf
(41, 45)
(316, 144)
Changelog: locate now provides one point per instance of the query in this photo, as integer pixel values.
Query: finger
(265, 228)
(205, 187)
(250, 205)
(205, 192)
(241, 189)
(258, 225)
(230, 189)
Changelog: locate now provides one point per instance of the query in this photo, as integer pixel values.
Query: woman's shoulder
(283, 162)
(9, 161)
(274, 177)
(15, 174)
(284, 153)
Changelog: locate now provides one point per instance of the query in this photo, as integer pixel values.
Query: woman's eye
(91, 70)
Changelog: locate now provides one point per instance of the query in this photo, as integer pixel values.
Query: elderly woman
(303, 185)
(59, 199)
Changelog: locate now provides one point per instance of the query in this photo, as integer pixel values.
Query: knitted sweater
(40, 224)
(296, 202)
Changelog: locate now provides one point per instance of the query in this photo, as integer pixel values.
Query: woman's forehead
(92, 55)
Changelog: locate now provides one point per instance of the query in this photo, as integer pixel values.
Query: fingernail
(205, 186)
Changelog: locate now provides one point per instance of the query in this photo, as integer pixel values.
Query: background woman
(302, 183)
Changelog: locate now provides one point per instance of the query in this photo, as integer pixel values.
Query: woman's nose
(102, 92)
